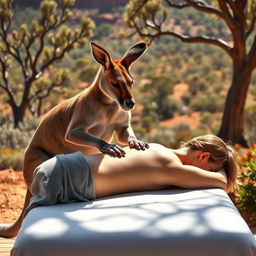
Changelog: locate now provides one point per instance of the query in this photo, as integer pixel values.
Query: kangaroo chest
(107, 122)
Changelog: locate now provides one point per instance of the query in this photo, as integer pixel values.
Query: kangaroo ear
(101, 56)
(133, 54)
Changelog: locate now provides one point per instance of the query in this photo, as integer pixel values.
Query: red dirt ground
(12, 194)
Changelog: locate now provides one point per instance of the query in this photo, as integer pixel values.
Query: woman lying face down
(203, 162)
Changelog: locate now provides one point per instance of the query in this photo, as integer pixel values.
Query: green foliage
(182, 132)
(149, 118)
(209, 102)
(163, 136)
(88, 73)
(14, 138)
(11, 158)
(80, 63)
(210, 122)
(169, 137)
(246, 192)
(103, 30)
(157, 97)
(14, 141)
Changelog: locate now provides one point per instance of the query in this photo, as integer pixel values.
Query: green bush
(169, 136)
(163, 135)
(11, 158)
(246, 192)
(16, 138)
(13, 142)
(209, 102)
(88, 73)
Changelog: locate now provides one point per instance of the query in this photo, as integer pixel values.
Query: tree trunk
(18, 114)
(232, 126)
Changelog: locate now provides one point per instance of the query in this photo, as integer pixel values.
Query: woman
(204, 161)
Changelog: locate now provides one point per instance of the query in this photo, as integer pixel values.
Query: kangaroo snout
(129, 104)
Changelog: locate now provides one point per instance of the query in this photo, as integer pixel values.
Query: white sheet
(158, 223)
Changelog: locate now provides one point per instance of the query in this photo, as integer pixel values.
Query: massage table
(173, 222)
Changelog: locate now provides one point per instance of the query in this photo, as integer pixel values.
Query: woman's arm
(188, 176)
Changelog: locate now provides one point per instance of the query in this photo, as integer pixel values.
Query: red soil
(12, 194)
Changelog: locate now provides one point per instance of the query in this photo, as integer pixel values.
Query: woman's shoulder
(156, 145)
(165, 154)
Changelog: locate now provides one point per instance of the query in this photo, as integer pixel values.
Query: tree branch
(138, 9)
(28, 58)
(6, 86)
(187, 39)
(231, 4)
(40, 50)
(232, 24)
(58, 57)
(47, 28)
(37, 96)
(198, 5)
(46, 92)
(13, 51)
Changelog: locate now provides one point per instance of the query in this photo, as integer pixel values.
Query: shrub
(163, 135)
(170, 137)
(13, 142)
(209, 102)
(16, 138)
(246, 192)
(11, 158)
(88, 73)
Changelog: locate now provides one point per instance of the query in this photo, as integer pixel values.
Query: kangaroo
(87, 121)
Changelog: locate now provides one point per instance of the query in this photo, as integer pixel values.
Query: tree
(149, 18)
(32, 50)
(156, 97)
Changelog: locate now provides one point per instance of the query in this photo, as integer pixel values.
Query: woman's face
(211, 166)
(202, 160)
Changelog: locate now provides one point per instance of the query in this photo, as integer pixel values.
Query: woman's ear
(204, 155)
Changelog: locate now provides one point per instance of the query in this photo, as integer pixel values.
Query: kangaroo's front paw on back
(137, 144)
(112, 150)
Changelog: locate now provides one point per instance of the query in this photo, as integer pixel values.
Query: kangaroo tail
(12, 229)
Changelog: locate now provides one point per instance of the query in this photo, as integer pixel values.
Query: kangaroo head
(116, 81)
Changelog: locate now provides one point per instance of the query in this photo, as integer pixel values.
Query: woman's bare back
(138, 170)
(155, 168)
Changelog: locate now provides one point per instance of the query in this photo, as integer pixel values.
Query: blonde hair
(220, 152)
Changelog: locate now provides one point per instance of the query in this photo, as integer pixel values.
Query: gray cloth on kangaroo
(62, 179)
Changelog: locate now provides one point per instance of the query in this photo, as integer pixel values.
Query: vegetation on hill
(204, 68)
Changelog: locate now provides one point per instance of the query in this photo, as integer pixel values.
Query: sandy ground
(12, 194)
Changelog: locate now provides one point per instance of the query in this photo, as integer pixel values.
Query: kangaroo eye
(115, 85)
